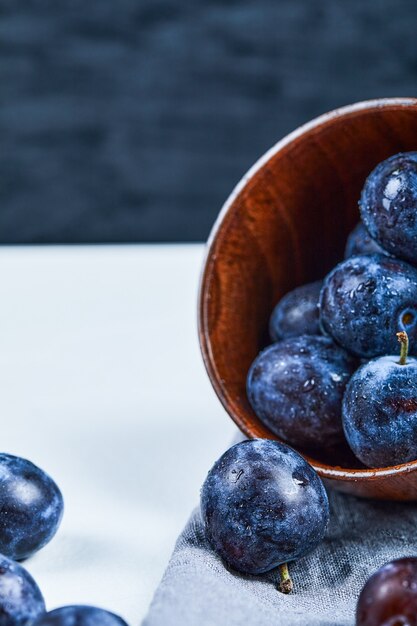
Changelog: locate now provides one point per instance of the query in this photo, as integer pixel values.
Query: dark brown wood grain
(284, 225)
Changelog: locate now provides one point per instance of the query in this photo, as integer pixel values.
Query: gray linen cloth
(197, 589)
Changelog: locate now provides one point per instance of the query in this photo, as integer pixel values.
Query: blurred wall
(131, 120)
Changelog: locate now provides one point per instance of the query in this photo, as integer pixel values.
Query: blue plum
(380, 410)
(360, 242)
(296, 388)
(388, 205)
(297, 313)
(21, 601)
(79, 615)
(366, 300)
(262, 506)
(31, 507)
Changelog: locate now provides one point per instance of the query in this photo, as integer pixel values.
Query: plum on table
(79, 615)
(21, 600)
(31, 507)
(389, 597)
(263, 505)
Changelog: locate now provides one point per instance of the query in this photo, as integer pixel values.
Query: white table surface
(103, 386)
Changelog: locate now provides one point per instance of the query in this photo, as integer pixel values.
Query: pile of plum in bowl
(308, 324)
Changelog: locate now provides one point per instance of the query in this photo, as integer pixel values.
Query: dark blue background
(131, 120)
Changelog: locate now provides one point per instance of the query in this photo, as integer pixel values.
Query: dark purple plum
(389, 597)
(297, 313)
(31, 507)
(21, 601)
(296, 388)
(388, 205)
(79, 616)
(380, 410)
(263, 505)
(360, 242)
(366, 300)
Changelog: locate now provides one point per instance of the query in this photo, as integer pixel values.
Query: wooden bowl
(286, 224)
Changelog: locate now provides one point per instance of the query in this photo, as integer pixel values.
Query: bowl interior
(286, 224)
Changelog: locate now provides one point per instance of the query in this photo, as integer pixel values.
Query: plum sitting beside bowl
(263, 505)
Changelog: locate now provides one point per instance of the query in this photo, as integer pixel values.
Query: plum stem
(403, 339)
(285, 585)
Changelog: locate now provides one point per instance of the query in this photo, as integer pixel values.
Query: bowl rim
(325, 471)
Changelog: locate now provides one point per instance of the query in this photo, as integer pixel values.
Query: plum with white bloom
(31, 507)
